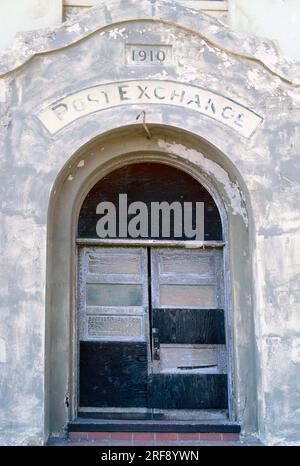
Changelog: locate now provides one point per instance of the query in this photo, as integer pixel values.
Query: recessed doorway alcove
(144, 291)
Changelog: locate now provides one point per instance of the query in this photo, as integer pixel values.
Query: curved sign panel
(94, 99)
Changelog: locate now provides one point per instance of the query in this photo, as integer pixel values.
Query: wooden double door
(152, 330)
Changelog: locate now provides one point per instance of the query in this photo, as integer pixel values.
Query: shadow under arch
(103, 155)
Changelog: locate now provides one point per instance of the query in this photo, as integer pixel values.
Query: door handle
(156, 344)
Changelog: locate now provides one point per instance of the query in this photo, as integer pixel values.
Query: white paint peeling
(267, 55)
(258, 79)
(161, 75)
(116, 32)
(227, 64)
(2, 350)
(231, 188)
(3, 90)
(295, 96)
(213, 28)
(188, 73)
(74, 28)
(295, 352)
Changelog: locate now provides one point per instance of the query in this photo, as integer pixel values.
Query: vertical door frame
(207, 184)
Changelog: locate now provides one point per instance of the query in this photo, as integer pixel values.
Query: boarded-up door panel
(188, 325)
(113, 374)
(176, 391)
(114, 328)
(186, 368)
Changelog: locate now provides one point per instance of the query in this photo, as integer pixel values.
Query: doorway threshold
(153, 425)
(154, 414)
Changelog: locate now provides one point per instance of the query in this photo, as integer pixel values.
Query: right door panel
(188, 330)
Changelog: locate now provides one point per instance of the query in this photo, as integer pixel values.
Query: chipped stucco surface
(232, 189)
(259, 175)
(251, 17)
(26, 15)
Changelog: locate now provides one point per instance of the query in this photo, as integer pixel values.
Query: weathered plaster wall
(25, 15)
(217, 9)
(276, 19)
(266, 168)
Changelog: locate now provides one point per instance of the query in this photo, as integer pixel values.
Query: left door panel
(113, 328)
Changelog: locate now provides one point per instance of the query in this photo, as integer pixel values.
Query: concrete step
(136, 442)
(151, 432)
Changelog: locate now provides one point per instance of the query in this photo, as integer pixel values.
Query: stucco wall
(275, 19)
(263, 18)
(25, 15)
(258, 175)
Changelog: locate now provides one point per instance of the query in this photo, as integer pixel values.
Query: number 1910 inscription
(148, 54)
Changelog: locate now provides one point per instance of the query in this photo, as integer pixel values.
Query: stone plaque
(139, 54)
(114, 326)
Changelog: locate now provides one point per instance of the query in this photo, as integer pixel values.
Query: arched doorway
(153, 321)
(208, 167)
